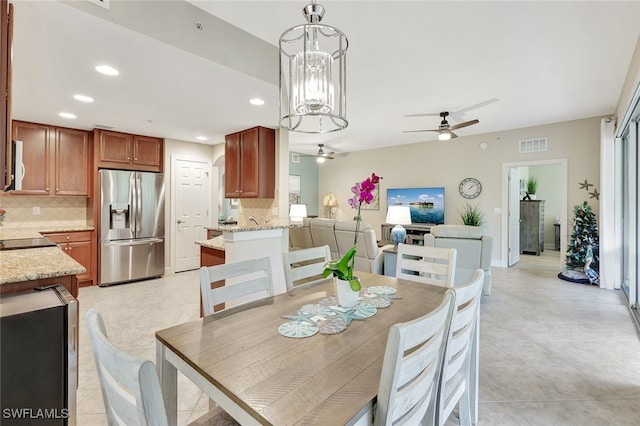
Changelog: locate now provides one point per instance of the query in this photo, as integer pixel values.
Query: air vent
(102, 126)
(295, 158)
(533, 145)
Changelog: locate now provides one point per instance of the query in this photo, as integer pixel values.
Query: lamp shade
(399, 215)
(297, 212)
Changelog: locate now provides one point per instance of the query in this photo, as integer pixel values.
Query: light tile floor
(551, 352)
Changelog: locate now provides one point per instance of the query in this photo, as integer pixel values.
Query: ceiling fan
(445, 131)
(321, 156)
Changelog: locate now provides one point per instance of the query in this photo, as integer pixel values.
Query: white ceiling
(541, 61)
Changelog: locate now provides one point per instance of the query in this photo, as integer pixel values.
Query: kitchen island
(241, 242)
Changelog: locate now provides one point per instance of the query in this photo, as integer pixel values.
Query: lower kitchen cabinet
(78, 245)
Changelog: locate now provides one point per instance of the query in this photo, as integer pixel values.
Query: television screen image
(427, 204)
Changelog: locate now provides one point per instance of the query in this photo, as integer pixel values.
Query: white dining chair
(303, 268)
(235, 281)
(130, 386)
(458, 386)
(429, 265)
(412, 366)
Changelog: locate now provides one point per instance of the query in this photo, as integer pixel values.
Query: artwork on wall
(375, 204)
(294, 190)
(427, 204)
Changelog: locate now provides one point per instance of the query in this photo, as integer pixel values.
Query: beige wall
(436, 163)
(630, 85)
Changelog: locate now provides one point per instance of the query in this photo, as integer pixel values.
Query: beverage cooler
(38, 357)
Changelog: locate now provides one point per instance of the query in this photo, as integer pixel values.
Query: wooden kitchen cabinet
(250, 163)
(78, 245)
(126, 151)
(6, 40)
(56, 159)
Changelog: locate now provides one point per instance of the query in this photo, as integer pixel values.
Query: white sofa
(339, 236)
(474, 250)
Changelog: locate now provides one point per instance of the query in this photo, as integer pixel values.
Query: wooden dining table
(258, 376)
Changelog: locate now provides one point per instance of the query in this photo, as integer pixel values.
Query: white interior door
(192, 201)
(514, 216)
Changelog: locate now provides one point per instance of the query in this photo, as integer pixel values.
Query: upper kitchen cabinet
(6, 25)
(250, 163)
(117, 150)
(56, 159)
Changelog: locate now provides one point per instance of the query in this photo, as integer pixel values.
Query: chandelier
(313, 75)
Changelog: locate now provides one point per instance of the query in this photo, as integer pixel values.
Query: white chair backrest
(241, 279)
(430, 265)
(456, 382)
(130, 386)
(412, 365)
(303, 268)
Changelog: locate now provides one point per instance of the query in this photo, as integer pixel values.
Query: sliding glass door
(627, 160)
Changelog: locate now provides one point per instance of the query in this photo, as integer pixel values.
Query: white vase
(532, 196)
(346, 297)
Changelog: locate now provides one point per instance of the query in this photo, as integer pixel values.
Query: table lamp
(398, 215)
(297, 212)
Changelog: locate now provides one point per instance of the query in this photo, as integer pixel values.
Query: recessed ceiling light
(67, 115)
(83, 98)
(256, 101)
(106, 69)
(201, 138)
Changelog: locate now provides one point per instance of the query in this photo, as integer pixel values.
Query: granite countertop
(245, 228)
(36, 263)
(216, 243)
(35, 232)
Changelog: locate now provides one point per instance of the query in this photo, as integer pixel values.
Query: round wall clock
(470, 188)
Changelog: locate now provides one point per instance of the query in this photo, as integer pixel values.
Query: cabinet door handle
(47, 189)
(135, 159)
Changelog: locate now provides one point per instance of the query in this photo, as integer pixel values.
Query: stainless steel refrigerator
(131, 226)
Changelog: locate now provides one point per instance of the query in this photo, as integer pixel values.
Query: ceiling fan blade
(453, 135)
(465, 124)
(478, 105)
(425, 130)
(435, 114)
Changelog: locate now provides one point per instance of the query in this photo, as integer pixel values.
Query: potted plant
(532, 187)
(471, 215)
(347, 285)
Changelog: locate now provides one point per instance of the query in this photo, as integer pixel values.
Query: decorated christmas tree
(582, 253)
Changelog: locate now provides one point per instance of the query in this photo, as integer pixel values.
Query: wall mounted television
(427, 204)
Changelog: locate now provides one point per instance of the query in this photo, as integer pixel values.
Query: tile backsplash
(68, 211)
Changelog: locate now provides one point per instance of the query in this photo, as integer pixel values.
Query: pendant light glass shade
(313, 76)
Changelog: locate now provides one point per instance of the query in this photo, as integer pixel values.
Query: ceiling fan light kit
(313, 75)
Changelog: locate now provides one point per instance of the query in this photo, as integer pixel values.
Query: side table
(556, 227)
